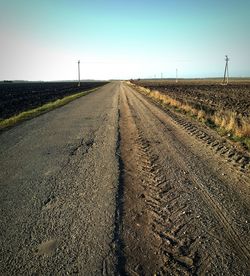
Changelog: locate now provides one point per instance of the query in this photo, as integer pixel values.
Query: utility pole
(79, 81)
(176, 75)
(226, 74)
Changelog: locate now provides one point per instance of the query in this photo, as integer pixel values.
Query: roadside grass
(227, 123)
(242, 140)
(41, 109)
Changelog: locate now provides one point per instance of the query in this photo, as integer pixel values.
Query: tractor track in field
(221, 146)
(217, 144)
(215, 205)
(182, 213)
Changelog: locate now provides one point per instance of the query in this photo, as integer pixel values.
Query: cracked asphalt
(59, 175)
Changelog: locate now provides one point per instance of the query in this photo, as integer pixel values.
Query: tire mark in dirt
(239, 159)
(197, 261)
(159, 193)
(230, 153)
(138, 251)
(172, 257)
(234, 237)
(219, 145)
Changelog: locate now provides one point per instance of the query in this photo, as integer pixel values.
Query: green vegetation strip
(41, 109)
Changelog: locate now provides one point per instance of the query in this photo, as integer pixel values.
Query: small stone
(185, 260)
(168, 242)
(47, 248)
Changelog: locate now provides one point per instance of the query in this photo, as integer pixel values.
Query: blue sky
(42, 40)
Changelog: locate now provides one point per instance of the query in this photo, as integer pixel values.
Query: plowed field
(210, 97)
(19, 97)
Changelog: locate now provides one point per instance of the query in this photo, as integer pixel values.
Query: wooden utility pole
(79, 78)
(226, 74)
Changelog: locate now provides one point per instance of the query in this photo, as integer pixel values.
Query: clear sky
(42, 40)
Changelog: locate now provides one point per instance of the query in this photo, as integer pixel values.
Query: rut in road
(213, 203)
(180, 217)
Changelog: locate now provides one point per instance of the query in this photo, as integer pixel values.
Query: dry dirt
(112, 184)
(185, 208)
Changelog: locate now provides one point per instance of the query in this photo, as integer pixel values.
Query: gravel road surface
(112, 184)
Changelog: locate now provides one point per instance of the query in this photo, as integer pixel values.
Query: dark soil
(207, 96)
(19, 97)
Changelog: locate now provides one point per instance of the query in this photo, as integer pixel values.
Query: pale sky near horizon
(42, 40)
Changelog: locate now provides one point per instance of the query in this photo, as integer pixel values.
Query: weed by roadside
(227, 123)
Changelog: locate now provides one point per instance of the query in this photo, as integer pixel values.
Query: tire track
(175, 259)
(174, 215)
(219, 145)
(234, 237)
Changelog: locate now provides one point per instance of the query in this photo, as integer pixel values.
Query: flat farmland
(19, 97)
(206, 95)
(223, 106)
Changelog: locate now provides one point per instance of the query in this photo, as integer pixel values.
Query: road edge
(35, 112)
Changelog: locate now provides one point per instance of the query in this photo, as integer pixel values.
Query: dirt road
(113, 185)
(186, 209)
